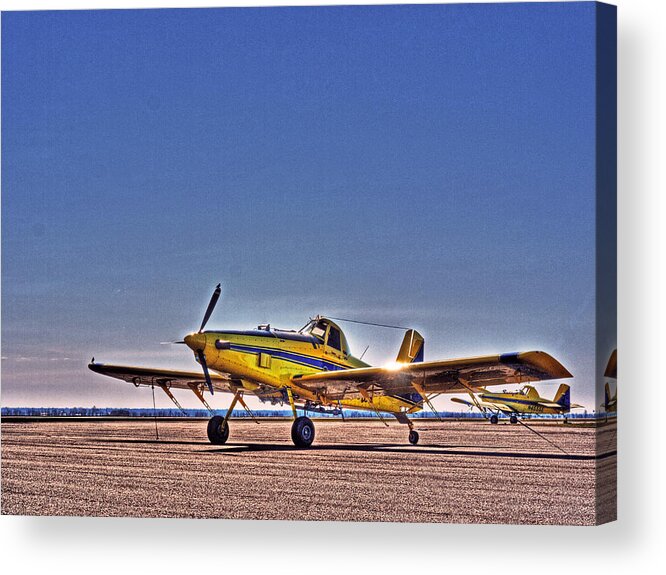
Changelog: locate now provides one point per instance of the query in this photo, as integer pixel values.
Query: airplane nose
(195, 341)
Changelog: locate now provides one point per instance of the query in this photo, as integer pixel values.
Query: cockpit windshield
(326, 332)
(307, 327)
(316, 328)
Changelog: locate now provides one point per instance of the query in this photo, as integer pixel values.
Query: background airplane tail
(607, 396)
(563, 396)
(411, 351)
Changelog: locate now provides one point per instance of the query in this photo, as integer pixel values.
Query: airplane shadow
(235, 446)
(421, 450)
(149, 441)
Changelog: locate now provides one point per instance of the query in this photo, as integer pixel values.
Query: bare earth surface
(461, 472)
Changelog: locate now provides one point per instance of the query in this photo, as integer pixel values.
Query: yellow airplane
(610, 400)
(527, 400)
(313, 369)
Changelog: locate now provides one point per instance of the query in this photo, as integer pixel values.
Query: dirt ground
(461, 472)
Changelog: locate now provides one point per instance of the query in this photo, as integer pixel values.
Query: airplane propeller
(199, 352)
(211, 306)
(202, 360)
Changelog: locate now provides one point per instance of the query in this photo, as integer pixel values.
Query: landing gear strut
(218, 430)
(218, 426)
(413, 434)
(302, 432)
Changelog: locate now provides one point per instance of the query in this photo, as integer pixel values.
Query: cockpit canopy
(328, 333)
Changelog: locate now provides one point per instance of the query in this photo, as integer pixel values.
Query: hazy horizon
(429, 166)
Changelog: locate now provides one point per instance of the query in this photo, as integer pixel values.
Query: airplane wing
(153, 376)
(506, 409)
(486, 405)
(463, 401)
(447, 376)
(548, 404)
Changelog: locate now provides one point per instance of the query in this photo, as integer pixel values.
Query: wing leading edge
(446, 376)
(154, 376)
(485, 405)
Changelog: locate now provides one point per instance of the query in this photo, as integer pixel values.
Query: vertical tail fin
(411, 349)
(607, 396)
(563, 396)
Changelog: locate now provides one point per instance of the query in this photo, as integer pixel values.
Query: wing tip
(541, 359)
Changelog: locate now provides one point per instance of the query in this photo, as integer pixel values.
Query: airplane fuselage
(266, 360)
(522, 403)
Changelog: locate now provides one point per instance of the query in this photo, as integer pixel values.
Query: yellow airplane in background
(313, 369)
(527, 400)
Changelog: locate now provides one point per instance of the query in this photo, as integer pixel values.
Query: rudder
(411, 350)
(563, 396)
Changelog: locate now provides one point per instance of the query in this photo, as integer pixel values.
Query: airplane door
(333, 345)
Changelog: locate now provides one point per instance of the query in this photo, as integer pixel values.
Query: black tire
(413, 437)
(302, 432)
(494, 419)
(218, 430)
(513, 419)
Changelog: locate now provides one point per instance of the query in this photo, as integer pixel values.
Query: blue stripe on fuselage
(510, 400)
(307, 360)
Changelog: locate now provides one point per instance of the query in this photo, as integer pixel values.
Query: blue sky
(429, 166)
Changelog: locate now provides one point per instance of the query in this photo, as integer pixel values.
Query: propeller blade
(202, 360)
(171, 342)
(211, 306)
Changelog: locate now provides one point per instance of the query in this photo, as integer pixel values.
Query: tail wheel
(513, 419)
(218, 430)
(302, 432)
(413, 437)
(494, 419)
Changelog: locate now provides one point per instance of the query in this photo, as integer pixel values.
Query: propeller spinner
(197, 341)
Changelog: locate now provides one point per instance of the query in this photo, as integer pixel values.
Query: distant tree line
(171, 412)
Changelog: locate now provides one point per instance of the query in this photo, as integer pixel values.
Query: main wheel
(494, 419)
(413, 437)
(513, 419)
(302, 432)
(218, 430)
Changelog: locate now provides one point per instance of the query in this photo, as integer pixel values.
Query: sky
(427, 166)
